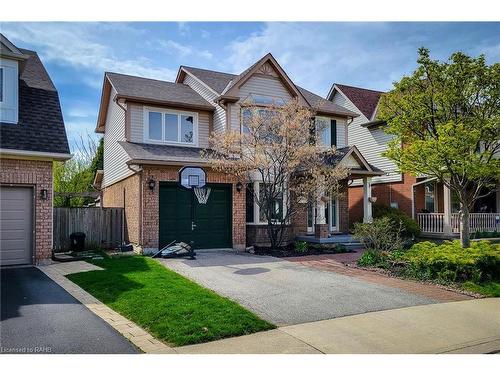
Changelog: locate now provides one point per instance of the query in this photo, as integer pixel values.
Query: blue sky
(371, 54)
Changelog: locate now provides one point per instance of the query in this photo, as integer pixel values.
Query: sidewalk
(471, 326)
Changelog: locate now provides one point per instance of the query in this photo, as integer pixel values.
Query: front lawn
(169, 306)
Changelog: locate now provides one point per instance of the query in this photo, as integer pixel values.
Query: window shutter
(333, 129)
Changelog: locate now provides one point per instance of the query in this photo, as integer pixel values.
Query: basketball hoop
(202, 194)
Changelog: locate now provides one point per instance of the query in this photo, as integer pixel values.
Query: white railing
(482, 222)
(431, 222)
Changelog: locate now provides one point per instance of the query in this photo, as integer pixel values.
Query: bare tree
(279, 147)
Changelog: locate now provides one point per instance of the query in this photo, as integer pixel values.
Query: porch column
(321, 227)
(498, 198)
(447, 230)
(367, 205)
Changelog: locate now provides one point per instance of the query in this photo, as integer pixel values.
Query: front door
(331, 215)
(183, 218)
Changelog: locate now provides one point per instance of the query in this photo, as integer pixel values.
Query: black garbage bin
(77, 241)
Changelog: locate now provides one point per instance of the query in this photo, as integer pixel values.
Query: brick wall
(126, 194)
(399, 192)
(38, 174)
(171, 173)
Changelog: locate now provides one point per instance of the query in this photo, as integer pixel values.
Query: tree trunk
(465, 227)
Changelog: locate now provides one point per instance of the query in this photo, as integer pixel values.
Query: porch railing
(482, 222)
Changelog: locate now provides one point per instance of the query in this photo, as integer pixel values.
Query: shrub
(450, 262)
(301, 247)
(478, 234)
(410, 226)
(371, 258)
(381, 235)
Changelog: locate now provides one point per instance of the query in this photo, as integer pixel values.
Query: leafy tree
(75, 176)
(446, 121)
(277, 147)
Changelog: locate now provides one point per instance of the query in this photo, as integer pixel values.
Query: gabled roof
(364, 99)
(40, 128)
(217, 81)
(342, 156)
(9, 50)
(221, 83)
(325, 106)
(150, 91)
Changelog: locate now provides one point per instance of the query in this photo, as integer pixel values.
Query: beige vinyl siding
(260, 85)
(209, 96)
(115, 157)
(136, 122)
(370, 142)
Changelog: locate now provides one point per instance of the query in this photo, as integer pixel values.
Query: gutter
(5, 152)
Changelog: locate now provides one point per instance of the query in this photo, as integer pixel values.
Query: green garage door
(182, 218)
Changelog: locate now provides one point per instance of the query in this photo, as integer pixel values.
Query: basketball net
(202, 193)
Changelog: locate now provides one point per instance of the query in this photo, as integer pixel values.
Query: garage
(16, 225)
(183, 218)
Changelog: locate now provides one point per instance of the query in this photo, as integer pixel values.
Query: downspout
(413, 213)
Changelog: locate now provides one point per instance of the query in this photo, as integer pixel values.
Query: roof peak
(359, 88)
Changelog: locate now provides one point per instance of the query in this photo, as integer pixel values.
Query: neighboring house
(425, 199)
(154, 128)
(32, 136)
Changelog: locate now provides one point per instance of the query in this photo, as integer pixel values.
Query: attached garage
(16, 225)
(183, 218)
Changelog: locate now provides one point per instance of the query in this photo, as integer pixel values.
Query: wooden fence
(103, 227)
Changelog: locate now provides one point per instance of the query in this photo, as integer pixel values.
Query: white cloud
(182, 51)
(205, 34)
(72, 45)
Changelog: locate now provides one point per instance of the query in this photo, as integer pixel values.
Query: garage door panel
(16, 225)
(179, 208)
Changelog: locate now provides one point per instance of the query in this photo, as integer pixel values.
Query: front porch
(437, 211)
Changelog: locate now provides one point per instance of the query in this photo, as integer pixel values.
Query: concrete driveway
(38, 316)
(286, 293)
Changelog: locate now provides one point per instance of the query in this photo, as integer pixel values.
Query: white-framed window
(170, 126)
(323, 126)
(9, 91)
(430, 197)
(331, 215)
(256, 215)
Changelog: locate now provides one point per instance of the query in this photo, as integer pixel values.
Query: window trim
(2, 80)
(435, 196)
(328, 129)
(178, 113)
(256, 207)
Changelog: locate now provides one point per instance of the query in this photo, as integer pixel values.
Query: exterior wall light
(151, 184)
(44, 194)
(239, 186)
(372, 199)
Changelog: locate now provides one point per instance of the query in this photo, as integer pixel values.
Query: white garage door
(16, 225)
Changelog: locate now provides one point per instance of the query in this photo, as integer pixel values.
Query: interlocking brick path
(135, 334)
(333, 263)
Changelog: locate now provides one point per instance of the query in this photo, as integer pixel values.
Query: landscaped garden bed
(169, 306)
(301, 249)
(476, 269)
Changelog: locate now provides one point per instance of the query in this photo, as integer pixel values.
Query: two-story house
(425, 199)
(155, 129)
(32, 136)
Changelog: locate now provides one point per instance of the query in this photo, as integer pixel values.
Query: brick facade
(37, 174)
(125, 194)
(113, 196)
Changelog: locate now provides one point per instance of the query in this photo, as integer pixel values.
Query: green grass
(169, 306)
(487, 289)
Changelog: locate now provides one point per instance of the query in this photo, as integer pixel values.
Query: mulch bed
(289, 250)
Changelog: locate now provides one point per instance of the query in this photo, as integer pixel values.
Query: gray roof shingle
(151, 152)
(147, 89)
(41, 125)
(218, 81)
